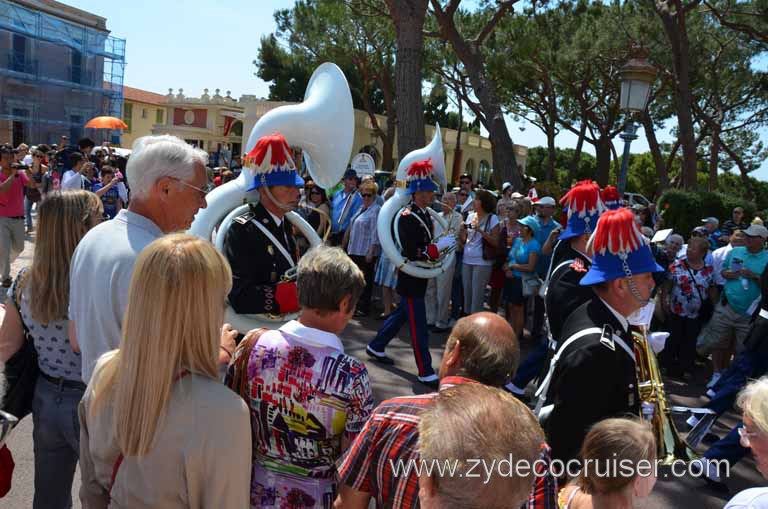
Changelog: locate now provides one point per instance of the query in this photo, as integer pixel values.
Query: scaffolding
(55, 74)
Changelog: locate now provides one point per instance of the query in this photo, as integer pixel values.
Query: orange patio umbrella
(106, 123)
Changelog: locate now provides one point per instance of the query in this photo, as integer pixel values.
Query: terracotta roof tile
(144, 96)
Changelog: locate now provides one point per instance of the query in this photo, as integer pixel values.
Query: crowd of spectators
(131, 362)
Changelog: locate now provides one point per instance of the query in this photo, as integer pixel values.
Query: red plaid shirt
(391, 436)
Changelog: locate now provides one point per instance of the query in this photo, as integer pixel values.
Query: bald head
(482, 347)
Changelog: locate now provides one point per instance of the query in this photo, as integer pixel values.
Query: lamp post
(637, 75)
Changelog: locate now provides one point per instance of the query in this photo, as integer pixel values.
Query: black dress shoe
(433, 384)
(379, 358)
(7, 282)
(440, 330)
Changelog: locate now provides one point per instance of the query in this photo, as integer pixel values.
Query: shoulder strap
(423, 223)
(693, 280)
(16, 289)
(277, 243)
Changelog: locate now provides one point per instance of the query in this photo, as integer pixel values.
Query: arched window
(485, 172)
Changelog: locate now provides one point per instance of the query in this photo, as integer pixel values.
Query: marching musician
(571, 259)
(593, 374)
(260, 245)
(570, 262)
(415, 231)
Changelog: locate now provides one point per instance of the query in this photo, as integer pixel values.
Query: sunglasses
(366, 195)
(461, 194)
(465, 181)
(314, 191)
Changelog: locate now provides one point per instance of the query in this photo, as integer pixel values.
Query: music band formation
(299, 427)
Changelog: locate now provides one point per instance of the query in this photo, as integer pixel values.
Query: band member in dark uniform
(415, 231)
(259, 245)
(593, 375)
(570, 262)
(572, 259)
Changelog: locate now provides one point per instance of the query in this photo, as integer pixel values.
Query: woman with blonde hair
(753, 434)
(618, 459)
(37, 311)
(158, 429)
(361, 241)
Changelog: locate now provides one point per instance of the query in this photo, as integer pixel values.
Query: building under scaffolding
(59, 67)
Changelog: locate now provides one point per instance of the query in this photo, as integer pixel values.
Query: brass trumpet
(654, 406)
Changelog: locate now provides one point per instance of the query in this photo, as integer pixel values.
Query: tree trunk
(387, 152)
(714, 156)
(551, 153)
(658, 158)
(502, 148)
(603, 155)
(387, 159)
(672, 14)
(408, 18)
(574, 166)
(457, 153)
(743, 171)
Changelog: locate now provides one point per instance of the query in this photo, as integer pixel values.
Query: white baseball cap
(547, 200)
(756, 230)
(505, 186)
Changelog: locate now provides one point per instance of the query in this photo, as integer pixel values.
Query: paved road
(400, 380)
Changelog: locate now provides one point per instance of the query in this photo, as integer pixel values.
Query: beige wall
(139, 126)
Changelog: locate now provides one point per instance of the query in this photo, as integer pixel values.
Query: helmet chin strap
(282, 206)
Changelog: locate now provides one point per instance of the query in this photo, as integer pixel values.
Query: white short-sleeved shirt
(99, 278)
(473, 249)
(753, 498)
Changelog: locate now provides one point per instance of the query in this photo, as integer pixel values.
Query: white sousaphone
(323, 127)
(390, 212)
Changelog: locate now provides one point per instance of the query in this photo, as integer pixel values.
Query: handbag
(707, 309)
(22, 369)
(490, 253)
(531, 283)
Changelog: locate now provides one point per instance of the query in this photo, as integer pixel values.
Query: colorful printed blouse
(305, 394)
(684, 299)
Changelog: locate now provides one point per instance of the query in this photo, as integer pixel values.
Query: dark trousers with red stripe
(413, 311)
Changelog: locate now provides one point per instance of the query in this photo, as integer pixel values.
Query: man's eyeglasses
(461, 194)
(314, 191)
(207, 189)
(366, 195)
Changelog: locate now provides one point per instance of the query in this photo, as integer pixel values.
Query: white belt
(764, 313)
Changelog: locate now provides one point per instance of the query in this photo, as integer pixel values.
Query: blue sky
(197, 44)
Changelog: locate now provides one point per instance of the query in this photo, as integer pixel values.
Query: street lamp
(637, 76)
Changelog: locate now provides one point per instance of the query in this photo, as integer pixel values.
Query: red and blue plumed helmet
(619, 249)
(272, 164)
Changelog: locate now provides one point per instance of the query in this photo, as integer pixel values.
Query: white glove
(446, 242)
(658, 340)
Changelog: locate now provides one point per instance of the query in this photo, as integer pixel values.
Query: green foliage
(684, 210)
(537, 162)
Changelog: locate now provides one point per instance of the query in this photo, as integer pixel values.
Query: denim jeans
(56, 438)
(28, 212)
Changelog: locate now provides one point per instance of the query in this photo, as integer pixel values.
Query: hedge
(684, 210)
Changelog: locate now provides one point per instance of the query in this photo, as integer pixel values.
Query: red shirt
(391, 436)
(12, 201)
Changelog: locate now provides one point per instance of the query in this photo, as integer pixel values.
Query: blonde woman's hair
(753, 400)
(609, 443)
(172, 323)
(370, 185)
(63, 218)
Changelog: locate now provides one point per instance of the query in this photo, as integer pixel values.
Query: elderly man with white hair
(168, 183)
